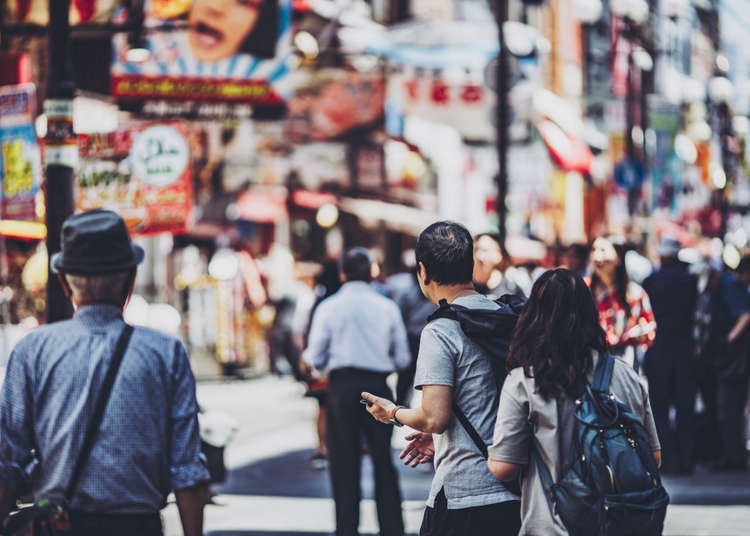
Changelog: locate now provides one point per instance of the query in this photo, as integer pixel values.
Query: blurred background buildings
(246, 157)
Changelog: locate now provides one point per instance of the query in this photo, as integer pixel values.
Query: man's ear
(65, 286)
(130, 285)
(423, 274)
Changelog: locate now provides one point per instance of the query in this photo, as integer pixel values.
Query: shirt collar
(98, 313)
(355, 285)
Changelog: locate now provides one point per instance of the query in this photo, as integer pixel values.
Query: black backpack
(612, 487)
(492, 331)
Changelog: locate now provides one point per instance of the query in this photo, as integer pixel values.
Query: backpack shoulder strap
(444, 310)
(95, 421)
(473, 434)
(603, 372)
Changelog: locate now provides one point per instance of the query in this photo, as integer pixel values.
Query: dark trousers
(347, 422)
(731, 396)
(501, 519)
(88, 524)
(671, 382)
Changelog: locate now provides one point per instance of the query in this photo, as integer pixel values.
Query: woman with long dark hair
(555, 347)
(624, 308)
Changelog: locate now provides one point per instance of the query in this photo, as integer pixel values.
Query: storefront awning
(371, 212)
(569, 152)
(260, 207)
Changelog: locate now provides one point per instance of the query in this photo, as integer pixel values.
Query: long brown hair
(556, 333)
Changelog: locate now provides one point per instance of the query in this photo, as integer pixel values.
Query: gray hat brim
(57, 266)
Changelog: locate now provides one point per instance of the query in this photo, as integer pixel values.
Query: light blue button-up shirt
(358, 328)
(148, 443)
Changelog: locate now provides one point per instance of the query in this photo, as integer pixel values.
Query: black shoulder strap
(475, 437)
(603, 372)
(95, 422)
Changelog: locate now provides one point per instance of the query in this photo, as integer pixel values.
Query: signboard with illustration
(20, 159)
(143, 172)
(198, 51)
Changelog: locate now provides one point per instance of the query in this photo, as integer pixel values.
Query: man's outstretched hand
(420, 449)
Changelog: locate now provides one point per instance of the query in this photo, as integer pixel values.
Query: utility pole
(501, 16)
(61, 148)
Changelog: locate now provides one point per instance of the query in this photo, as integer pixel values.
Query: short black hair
(446, 250)
(261, 42)
(357, 265)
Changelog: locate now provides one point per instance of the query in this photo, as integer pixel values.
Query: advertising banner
(200, 52)
(37, 11)
(20, 159)
(143, 172)
(330, 102)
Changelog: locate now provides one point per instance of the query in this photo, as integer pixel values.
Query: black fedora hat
(95, 242)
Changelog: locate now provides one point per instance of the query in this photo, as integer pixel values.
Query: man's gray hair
(105, 288)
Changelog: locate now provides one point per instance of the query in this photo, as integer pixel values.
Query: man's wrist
(392, 416)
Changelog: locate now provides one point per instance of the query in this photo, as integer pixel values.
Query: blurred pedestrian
(465, 499)
(359, 337)
(114, 476)
(576, 259)
(327, 283)
(403, 288)
(728, 344)
(670, 361)
(556, 347)
(490, 263)
(624, 308)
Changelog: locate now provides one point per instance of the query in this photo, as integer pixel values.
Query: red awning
(261, 207)
(568, 152)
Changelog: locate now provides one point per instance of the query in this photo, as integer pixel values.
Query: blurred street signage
(194, 53)
(20, 160)
(142, 171)
(37, 11)
(330, 102)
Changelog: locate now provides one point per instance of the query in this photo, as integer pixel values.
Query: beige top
(519, 402)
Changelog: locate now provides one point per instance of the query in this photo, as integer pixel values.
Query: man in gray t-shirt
(465, 498)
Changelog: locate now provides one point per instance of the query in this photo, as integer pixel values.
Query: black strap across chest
(92, 429)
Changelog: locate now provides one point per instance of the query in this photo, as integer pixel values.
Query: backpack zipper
(611, 477)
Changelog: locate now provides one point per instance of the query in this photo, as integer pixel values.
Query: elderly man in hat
(107, 413)
(669, 363)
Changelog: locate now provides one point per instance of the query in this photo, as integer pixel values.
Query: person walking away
(359, 337)
(670, 361)
(728, 345)
(465, 499)
(327, 283)
(491, 274)
(624, 308)
(557, 345)
(147, 444)
(403, 288)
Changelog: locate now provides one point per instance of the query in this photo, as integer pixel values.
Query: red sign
(143, 172)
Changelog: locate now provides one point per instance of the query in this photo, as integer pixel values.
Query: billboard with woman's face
(207, 50)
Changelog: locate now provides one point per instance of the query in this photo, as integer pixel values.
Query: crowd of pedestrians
(547, 399)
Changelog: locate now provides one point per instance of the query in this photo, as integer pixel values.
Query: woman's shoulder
(625, 378)
(635, 291)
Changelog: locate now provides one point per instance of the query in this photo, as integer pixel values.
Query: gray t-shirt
(447, 357)
(554, 436)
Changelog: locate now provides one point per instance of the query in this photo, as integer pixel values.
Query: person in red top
(624, 309)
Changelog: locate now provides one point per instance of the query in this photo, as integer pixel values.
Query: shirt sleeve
(401, 353)
(647, 418)
(436, 360)
(16, 422)
(186, 463)
(317, 353)
(511, 439)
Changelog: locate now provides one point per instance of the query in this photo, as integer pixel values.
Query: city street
(272, 489)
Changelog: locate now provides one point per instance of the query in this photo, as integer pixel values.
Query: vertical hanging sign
(20, 162)
(61, 146)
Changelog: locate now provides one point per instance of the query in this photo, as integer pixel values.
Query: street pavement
(272, 489)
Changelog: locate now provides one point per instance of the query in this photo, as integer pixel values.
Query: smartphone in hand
(365, 402)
